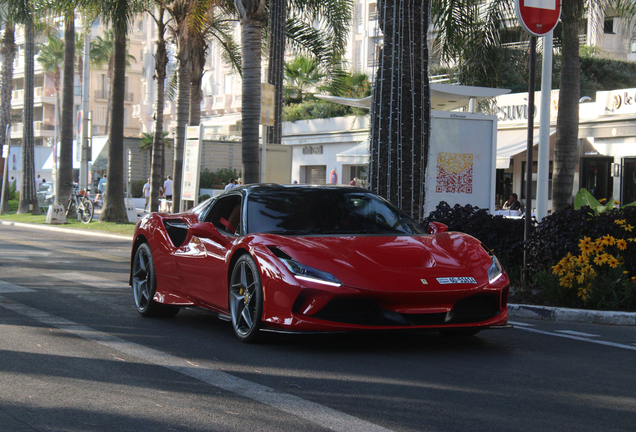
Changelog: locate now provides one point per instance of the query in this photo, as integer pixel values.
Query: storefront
(606, 162)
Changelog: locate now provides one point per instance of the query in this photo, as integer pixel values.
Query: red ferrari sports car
(294, 258)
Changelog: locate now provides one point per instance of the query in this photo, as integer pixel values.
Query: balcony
(237, 102)
(101, 94)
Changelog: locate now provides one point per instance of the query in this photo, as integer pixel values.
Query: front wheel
(144, 285)
(246, 299)
(86, 210)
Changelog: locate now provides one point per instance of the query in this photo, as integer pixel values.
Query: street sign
(538, 17)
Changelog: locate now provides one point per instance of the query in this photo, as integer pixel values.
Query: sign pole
(543, 170)
(5, 156)
(531, 79)
(537, 17)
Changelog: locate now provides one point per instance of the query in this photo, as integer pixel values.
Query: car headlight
(306, 273)
(495, 270)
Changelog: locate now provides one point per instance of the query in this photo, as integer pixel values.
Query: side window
(225, 214)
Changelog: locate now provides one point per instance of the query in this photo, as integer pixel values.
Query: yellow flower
(580, 278)
(621, 244)
(585, 245)
(629, 228)
(599, 259)
(613, 262)
(558, 269)
(608, 240)
(566, 280)
(620, 221)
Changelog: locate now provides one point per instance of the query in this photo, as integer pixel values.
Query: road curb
(65, 230)
(550, 313)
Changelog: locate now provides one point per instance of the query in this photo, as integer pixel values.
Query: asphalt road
(76, 356)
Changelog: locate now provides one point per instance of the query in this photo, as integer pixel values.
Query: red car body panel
(401, 275)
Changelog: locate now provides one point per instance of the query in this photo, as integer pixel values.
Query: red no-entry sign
(538, 17)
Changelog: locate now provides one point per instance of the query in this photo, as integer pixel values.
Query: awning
(513, 142)
(98, 145)
(357, 155)
(444, 97)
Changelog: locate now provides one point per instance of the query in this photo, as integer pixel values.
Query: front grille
(352, 311)
(472, 309)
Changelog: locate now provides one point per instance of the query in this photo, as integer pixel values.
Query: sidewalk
(524, 311)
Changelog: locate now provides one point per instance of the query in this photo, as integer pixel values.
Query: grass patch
(111, 227)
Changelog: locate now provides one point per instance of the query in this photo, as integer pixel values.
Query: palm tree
(50, 58)
(24, 12)
(193, 21)
(327, 44)
(252, 14)
(301, 75)
(119, 14)
(158, 141)
(8, 50)
(398, 154)
(102, 53)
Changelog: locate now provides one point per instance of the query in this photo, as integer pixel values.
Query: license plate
(456, 280)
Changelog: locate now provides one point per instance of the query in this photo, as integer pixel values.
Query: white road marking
(88, 280)
(575, 333)
(515, 323)
(6, 287)
(301, 408)
(579, 338)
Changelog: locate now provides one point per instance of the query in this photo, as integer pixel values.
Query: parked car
(292, 258)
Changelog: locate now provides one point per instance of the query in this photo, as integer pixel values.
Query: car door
(203, 261)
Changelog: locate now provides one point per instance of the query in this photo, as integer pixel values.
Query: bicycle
(81, 204)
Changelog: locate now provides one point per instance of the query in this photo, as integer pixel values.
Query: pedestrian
(230, 185)
(146, 192)
(101, 185)
(167, 193)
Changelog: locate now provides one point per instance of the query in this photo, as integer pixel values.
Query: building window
(101, 115)
(608, 26)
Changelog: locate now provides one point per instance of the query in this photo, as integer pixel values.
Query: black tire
(246, 300)
(86, 210)
(144, 285)
(70, 210)
(459, 332)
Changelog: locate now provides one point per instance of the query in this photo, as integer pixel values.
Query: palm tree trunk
(28, 199)
(114, 206)
(566, 145)
(252, 15)
(65, 167)
(161, 60)
(400, 116)
(196, 77)
(276, 70)
(183, 105)
(8, 51)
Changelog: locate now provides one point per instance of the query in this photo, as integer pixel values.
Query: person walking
(167, 192)
(146, 191)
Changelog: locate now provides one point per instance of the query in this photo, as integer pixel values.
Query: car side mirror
(436, 228)
(205, 230)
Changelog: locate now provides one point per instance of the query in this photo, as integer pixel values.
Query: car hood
(401, 262)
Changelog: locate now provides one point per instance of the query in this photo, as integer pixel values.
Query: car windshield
(308, 211)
